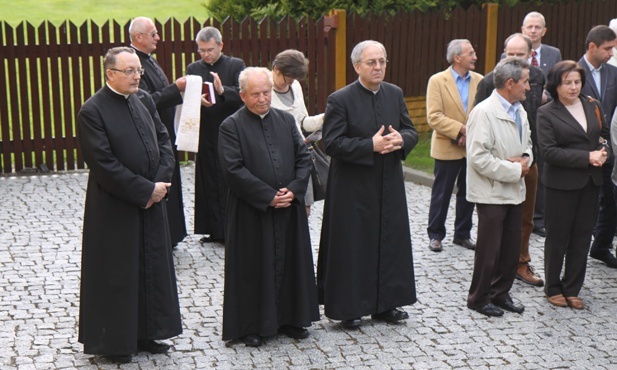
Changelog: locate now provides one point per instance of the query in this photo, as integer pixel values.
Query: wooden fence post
(337, 20)
(490, 47)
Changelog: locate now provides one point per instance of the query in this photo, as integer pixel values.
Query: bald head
(143, 34)
(517, 45)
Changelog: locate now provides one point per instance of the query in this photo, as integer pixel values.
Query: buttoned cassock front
(128, 282)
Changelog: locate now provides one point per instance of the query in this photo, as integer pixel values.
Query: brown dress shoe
(526, 274)
(575, 302)
(558, 300)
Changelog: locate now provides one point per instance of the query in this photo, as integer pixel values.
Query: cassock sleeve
(406, 129)
(232, 92)
(242, 182)
(167, 161)
(110, 174)
(166, 98)
(299, 185)
(338, 145)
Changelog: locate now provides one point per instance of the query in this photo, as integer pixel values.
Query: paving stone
(40, 246)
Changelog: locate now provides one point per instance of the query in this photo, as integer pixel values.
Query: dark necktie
(534, 60)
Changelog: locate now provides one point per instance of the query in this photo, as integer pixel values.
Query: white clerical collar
(141, 51)
(126, 96)
(374, 92)
(265, 114)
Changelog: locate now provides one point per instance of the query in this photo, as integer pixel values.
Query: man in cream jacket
(498, 157)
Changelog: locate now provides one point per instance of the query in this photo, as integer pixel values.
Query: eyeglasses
(206, 51)
(129, 72)
(373, 62)
(153, 34)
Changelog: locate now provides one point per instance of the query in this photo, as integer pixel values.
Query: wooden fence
(49, 71)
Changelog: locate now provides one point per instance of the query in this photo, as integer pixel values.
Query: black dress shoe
(119, 359)
(465, 243)
(152, 346)
(353, 323)
(435, 245)
(294, 332)
(252, 340)
(508, 305)
(607, 258)
(540, 231)
(209, 239)
(392, 315)
(488, 310)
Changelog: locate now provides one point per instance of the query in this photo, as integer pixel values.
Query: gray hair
(455, 47)
(613, 25)
(518, 34)
(534, 15)
(209, 33)
(109, 61)
(356, 53)
(243, 79)
(138, 25)
(509, 68)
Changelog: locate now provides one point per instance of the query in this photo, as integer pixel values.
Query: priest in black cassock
(269, 278)
(365, 264)
(128, 296)
(166, 96)
(210, 187)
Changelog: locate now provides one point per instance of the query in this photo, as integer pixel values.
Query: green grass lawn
(57, 11)
(420, 156)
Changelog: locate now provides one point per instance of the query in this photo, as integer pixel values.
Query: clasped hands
(524, 161)
(283, 198)
(598, 157)
(159, 192)
(384, 144)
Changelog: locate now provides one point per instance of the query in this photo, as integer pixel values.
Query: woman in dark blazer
(570, 136)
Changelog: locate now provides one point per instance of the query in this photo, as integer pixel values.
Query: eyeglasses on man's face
(206, 51)
(151, 34)
(129, 72)
(373, 62)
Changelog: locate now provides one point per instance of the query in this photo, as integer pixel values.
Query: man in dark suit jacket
(601, 84)
(166, 96)
(546, 56)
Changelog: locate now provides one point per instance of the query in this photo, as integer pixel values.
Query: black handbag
(319, 171)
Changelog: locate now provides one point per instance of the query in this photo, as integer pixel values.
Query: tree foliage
(258, 9)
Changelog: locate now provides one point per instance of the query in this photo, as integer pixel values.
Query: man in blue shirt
(449, 99)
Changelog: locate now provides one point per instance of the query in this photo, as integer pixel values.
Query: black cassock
(166, 96)
(128, 282)
(269, 277)
(365, 263)
(210, 186)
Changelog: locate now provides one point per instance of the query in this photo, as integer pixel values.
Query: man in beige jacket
(449, 99)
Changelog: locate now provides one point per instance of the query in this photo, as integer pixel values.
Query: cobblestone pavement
(39, 303)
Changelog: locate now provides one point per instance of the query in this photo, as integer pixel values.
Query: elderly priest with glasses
(128, 297)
